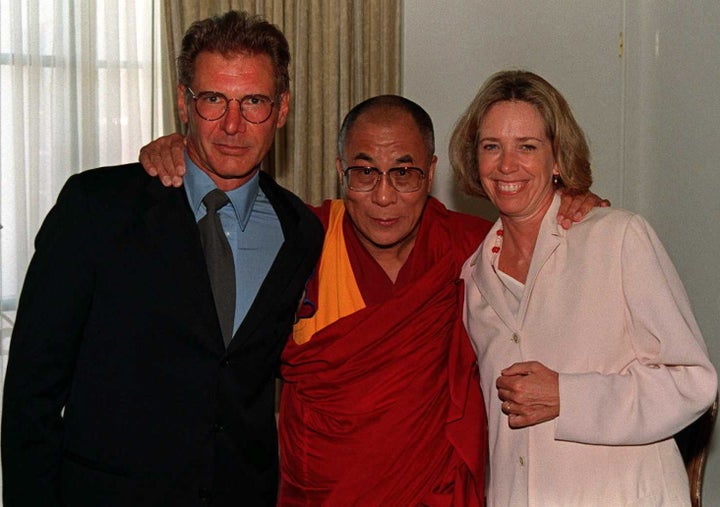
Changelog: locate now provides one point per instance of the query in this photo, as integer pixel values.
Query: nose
(384, 194)
(233, 121)
(508, 161)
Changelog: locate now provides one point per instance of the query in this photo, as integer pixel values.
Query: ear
(339, 169)
(283, 109)
(182, 103)
(431, 173)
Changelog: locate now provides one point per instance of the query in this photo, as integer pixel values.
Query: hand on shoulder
(165, 158)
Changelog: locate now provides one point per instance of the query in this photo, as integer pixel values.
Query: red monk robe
(381, 404)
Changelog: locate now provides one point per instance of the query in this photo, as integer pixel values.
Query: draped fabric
(383, 407)
(341, 53)
(334, 300)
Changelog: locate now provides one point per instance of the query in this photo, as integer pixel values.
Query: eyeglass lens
(402, 179)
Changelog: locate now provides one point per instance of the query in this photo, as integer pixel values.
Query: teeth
(509, 187)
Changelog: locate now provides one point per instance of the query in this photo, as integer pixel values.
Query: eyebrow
(520, 139)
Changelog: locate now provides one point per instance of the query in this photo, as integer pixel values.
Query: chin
(230, 172)
(385, 242)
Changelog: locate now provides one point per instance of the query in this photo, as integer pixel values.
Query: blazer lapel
(490, 286)
(286, 263)
(549, 238)
(487, 282)
(172, 230)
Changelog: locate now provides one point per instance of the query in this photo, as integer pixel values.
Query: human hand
(530, 393)
(574, 207)
(164, 157)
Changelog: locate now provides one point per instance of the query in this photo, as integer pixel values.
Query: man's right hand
(164, 157)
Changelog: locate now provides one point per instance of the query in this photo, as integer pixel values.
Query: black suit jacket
(117, 327)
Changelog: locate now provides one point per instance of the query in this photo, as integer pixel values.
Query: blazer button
(204, 494)
(515, 338)
(218, 428)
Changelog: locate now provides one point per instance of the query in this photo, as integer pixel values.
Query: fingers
(573, 207)
(565, 223)
(147, 163)
(568, 207)
(516, 419)
(519, 368)
(522, 413)
(178, 162)
(165, 158)
(522, 416)
(529, 392)
(584, 205)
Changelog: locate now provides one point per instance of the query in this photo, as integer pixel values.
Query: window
(77, 91)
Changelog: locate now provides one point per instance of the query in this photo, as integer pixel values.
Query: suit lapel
(283, 269)
(172, 230)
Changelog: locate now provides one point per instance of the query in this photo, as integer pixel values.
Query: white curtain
(76, 92)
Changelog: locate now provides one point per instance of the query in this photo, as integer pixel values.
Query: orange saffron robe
(381, 403)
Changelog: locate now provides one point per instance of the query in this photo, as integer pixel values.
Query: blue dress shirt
(252, 228)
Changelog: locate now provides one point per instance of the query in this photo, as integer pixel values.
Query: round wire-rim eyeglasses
(212, 106)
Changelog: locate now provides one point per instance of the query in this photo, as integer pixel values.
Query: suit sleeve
(671, 380)
(51, 315)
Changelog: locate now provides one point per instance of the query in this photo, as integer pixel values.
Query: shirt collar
(197, 184)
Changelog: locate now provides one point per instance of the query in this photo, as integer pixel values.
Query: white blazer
(604, 307)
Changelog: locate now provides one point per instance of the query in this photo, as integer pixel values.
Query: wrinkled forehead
(226, 73)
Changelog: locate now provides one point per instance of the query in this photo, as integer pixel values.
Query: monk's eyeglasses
(402, 179)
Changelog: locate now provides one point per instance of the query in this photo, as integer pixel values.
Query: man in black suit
(121, 389)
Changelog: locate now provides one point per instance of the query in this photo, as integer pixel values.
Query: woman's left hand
(530, 393)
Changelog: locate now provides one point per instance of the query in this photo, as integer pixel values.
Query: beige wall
(650, 110)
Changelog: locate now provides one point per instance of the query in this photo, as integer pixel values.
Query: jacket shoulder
(287, 204)
(111, 175)
(607, 219)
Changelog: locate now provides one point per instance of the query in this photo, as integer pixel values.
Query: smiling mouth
(510, 188)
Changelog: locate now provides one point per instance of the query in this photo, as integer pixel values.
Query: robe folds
(382, 406)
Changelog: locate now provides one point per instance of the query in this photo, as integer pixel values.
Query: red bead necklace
(498, 244)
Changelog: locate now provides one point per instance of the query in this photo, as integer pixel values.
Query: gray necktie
(219, 260)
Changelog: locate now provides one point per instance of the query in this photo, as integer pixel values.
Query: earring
(556, 179)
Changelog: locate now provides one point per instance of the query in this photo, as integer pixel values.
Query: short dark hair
(387, 103)
(569, 145)
(232, 33)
